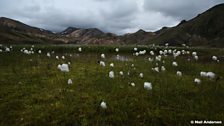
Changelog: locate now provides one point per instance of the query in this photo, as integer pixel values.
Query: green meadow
(33, 91)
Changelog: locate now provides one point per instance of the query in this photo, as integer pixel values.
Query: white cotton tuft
(174, 64)
(141, 75)
(80, 49)
(183, 52)
(102, 63)
(117, 50)
(64, 68)
(194, 53)
(111, 74)
(69, 81)
(156, 69)
(165, 52)
(158, 58)
(148, 85)
(163, 68)
(7, 49)
(169, 51)
(160, 52)
(142, 52)
(132, 65)
(26, 52)
(176, 54)
(48, 54)
(179, 73)
(59, 66)
(102, 56)
(210, 75)
(111, 64)
(214, 58)
(103, 105)
(132, 84)
(151, 53)
(197, 81)
(150, 59)
(203, 74)
(121, 73)
(196, 57)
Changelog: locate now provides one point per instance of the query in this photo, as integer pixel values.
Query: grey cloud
(116, 16)
(180, 9)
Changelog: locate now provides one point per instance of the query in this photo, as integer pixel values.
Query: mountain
(89, 36)
(68, 30)
(163, 29)
(206, 29)
(12, 31)
(19, 26)
(92, 32)
(139, 37)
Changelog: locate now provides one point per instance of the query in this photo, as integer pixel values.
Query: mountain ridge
(206, 29)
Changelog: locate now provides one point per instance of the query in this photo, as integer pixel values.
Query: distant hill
(206, 29)
(68, 30)
(139, 37)
(12, 31)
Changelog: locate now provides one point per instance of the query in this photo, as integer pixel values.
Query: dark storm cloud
(180, 9)
(117, 16)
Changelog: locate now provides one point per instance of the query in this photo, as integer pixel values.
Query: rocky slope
(206, 29)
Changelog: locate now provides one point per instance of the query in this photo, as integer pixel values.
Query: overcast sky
(116, 16)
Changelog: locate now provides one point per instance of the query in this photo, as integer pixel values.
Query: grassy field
(33, 91)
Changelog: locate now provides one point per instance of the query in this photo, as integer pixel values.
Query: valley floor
(33, 91)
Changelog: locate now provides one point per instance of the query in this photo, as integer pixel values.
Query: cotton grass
(69, 81)
(64, 67)
(148, 85)
(197, 81)
(111, 74)
(103, 105)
